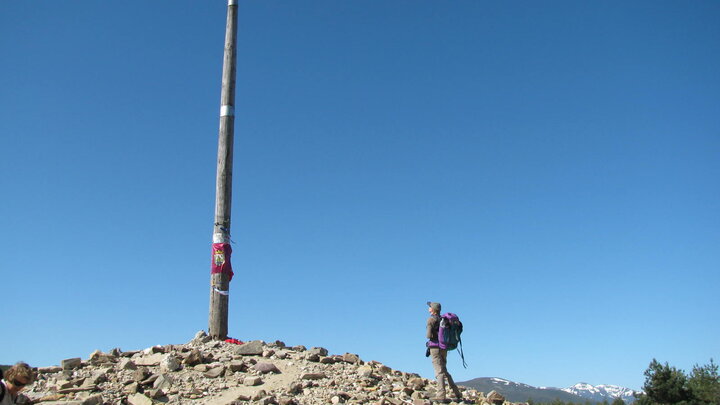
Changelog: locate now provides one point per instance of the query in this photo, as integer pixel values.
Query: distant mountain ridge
(601, 393)
(578, 393)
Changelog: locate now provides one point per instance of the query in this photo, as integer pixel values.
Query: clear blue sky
(547, 170)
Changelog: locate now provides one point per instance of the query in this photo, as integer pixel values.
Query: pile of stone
(204, 371)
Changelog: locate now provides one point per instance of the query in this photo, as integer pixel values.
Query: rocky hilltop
(204, 371)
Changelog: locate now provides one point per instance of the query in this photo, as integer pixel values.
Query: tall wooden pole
(220, 282)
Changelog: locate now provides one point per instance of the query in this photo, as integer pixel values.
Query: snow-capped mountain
(601, 392)
(578, 393)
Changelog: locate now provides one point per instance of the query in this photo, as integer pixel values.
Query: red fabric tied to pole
(221, 259)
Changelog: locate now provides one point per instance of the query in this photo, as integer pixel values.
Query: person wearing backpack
(438, 355)
(14, 380)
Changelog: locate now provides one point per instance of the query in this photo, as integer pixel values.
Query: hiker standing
(15, 379)
(438, 355)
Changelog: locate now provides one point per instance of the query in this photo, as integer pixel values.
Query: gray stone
(365, 371)
(163, 382)
(96, 399)
(259, 395)
(141, 374)
(294, 388)
(313, 376)
(62, 402)
(98, 357)
(320, 351)
(416, 383)
(200, 338)
(170, 363)
(155, 393)
(495, 397)
(286, 401)
(95, 379)
(194, 358)
(351, 358)
(254, 348)
(150, 360)
(237, 366)
(127, 364)
(215, 372)
(139, 399)
(70, 364)
(131, 388)
(265, 368)
(252, 381)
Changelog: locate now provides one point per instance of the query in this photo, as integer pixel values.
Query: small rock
(320, 351)
(252, 381)
(150, 360)
(286, 401)
(237, 366)
(259, 395)
(365, 371)
(201, 337)
(170, 363)
(96, 399)
(351, 358)
(194, 358)
(254, 348)
(215, 372)
(155, 393)
(141, 374)
(313, 376)
(265, 368)
(131, 388)
(163, 382)
(70, 364)
(126, 364)
(139, 399)
(495, 397)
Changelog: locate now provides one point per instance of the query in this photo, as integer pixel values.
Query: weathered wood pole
(220, 282)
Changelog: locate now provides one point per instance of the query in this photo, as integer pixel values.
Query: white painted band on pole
(217, 290)
(232, 2)
(227, 111)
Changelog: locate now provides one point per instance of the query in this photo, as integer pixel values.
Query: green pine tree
(664, 385)
(704, 384)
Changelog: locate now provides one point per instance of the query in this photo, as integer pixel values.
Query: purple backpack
(449, 331)
(449, 334)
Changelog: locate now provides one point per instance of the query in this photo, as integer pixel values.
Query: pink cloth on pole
(221, 259)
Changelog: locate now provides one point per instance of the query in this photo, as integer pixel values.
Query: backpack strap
(462, 355)
(2, 390)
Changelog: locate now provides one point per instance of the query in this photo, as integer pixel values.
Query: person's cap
(435, 306)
